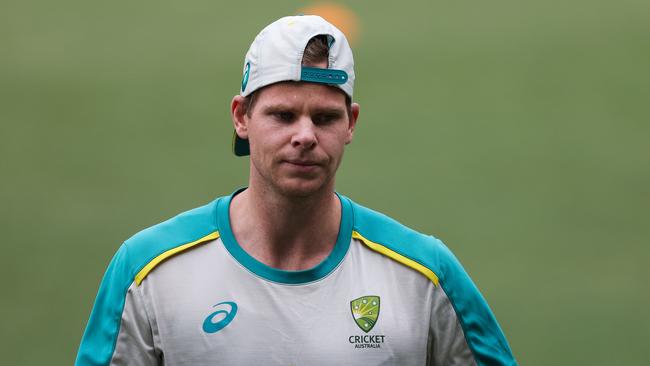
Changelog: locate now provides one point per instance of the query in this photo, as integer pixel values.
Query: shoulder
(381, 233)
(143, 251)
(183, 228)
(132, 261)
(429, 256)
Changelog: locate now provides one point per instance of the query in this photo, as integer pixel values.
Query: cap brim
(240, 146)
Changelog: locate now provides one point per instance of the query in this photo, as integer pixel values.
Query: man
(287, 271)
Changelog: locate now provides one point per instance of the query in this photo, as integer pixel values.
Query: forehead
(299, 93)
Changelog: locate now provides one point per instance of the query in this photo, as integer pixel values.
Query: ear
(239, 117)
(352, 124)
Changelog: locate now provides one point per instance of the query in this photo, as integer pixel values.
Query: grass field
(517, 132)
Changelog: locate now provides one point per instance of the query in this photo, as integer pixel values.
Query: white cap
(276, 55)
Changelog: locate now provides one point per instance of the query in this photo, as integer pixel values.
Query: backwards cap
(276, 55)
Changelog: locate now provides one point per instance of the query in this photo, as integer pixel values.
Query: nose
(304, 136)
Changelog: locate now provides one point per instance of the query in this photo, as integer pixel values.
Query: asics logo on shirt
(209, 324)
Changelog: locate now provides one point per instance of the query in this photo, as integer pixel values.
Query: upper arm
(135, 340)
(447, 344)
(481, 331)
(118, 328)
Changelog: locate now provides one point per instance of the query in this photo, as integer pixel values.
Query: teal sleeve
(98, 341)
(482, 332)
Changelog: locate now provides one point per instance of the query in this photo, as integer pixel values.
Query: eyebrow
(281, 107)
(330, 110)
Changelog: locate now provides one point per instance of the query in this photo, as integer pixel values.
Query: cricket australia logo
(365, 313)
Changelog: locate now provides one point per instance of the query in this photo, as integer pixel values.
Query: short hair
(316, 51)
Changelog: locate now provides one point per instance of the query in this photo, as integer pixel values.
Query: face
(297, 133)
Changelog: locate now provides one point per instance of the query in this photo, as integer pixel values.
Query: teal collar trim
(277, 275)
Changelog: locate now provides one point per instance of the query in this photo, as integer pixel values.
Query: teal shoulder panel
(99, 339)
(482, 332)
(184, 228)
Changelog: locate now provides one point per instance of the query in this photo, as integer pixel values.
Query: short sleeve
(118, 331)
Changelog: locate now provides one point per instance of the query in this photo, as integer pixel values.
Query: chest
(224, 315)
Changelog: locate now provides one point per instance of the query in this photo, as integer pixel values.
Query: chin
(300, 187)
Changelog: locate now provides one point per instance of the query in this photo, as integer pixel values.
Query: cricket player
(287, 271)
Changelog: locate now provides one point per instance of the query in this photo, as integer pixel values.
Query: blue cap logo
(244, 80)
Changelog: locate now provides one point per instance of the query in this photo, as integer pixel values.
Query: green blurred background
(517, 132)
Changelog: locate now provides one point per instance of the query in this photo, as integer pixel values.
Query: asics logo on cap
(244, 80)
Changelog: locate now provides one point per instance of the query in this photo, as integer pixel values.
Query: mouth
(302, 162)
(302, 165)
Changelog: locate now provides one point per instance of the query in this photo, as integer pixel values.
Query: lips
(302, 166)
(302, 162)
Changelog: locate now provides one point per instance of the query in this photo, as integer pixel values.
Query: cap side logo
(244, 80)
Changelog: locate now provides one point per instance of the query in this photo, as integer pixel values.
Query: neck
(286, 232)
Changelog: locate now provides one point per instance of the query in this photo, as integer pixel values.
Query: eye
(283, 116)
(325, 118)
